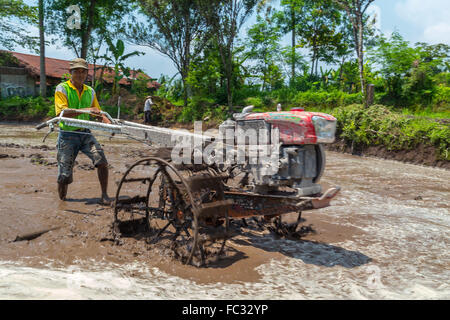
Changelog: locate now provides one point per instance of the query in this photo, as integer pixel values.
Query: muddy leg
(103, 172)
(62, 190)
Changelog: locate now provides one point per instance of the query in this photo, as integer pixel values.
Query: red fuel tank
(300, 127)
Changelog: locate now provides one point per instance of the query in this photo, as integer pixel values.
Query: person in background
(279, 108)
(148, 109)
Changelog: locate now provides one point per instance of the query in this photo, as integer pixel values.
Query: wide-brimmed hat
(79, 63)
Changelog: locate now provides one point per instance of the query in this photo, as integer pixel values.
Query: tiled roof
(56, 68)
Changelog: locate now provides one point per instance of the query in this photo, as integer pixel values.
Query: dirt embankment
(423, 155)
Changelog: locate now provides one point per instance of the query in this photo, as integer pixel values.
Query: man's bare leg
(102, 172)
(62, 191)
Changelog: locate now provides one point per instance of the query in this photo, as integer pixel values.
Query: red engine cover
(296, 127)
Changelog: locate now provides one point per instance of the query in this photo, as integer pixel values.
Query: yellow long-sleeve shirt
(61, 101)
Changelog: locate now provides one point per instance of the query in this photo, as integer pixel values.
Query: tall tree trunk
(341, 70)
(93, 76)
(361, 54)
(317, 65)
(227, 60)
(265, 76)
(87, 32)
(313, 60)
(293, 44)
(185, 95)
(355, 12)
(184, 75)
(187, 60)
(229, 71)
(229, 95)
(43, 77)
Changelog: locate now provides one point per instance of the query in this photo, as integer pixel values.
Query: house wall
(16, 82)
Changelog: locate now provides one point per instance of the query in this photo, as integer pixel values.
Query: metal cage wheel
(166, 205)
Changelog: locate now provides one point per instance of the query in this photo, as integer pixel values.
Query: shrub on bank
(38, 108)
(29, 108)
(200, 108)
(307, 99)
(441, 99)
(290, 98)
(377, 125)
(326, 99)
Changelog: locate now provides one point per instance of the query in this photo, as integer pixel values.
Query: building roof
(56, 68)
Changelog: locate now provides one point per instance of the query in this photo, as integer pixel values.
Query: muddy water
(386, 236)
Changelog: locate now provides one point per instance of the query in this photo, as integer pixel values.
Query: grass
(427, 113)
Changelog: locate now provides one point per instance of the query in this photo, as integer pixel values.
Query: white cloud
(423, 12)
(432, 16)
(438, 33)
(375, 11)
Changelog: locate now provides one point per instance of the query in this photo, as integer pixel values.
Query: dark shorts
(68, 145)
(147, 116)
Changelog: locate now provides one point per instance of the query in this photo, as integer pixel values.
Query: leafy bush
(139, 86)
(309, 100)
(284, 95)
(197, 109)
(442, 78)
(28, 108)
(378, 125)
(326, 99)
(254, 101)
(441, 99)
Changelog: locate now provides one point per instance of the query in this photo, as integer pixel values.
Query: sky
(416, 20)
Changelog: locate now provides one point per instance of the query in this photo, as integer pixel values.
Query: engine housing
(300, 153)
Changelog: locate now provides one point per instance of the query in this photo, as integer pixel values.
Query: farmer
(69, 95)
(148, 109)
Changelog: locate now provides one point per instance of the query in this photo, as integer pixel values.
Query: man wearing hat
(148, 109)
(70, 95)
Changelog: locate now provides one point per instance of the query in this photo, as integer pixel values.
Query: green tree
(288, 19)
(95, 56)
(264, 49)
(355, 10)
(174, 28)
(225, 18)
(97, 16)
(395, 59)
(206, 73)
(318, 30)
(408, 72)
(12, 31)
(117, 59)
(438, 56)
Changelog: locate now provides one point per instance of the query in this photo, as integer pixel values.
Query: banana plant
(325, 75)
(117, 59)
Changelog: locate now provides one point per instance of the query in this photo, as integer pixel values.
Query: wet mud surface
(386, 235)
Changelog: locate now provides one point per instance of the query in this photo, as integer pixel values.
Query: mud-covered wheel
(172, 207)
(170, 218)
(153, 201)
(207, 188)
